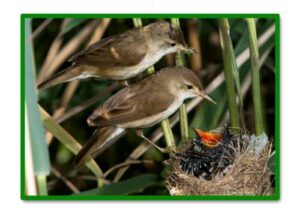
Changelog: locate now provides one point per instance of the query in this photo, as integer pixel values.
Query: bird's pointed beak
(187, 50)
(208, 98)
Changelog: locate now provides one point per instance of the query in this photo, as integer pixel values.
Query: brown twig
(132, 162)
(69, 91)
(60, 57)
(73, 111)
(40, 28)
(68, 183)
(194, 42)
(72, 86)
(52, 53)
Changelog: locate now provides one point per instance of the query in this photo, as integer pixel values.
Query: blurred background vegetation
(55, 40)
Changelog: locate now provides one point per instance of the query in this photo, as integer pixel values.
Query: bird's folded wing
(122, 50)
(131, 107)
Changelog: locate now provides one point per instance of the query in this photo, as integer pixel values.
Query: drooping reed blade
(69, 142)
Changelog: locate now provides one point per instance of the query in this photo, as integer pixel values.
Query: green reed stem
(41, 181)
(168, 134)
(165, 125)
(137, 22)
(180, 61)
(255, 75)
(40, 153)
(229, 69)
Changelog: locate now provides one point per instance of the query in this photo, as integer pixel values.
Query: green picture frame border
(275, 196)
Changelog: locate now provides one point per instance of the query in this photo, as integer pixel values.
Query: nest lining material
(248, 175)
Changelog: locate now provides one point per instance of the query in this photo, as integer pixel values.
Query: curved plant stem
(67, 182)
(77, 109)
(40, 28)
(115, 167)
(65, 138)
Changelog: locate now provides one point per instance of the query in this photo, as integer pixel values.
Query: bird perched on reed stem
(140, 105)
(122, 56)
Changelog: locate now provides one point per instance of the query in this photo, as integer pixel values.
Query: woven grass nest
(247, 175)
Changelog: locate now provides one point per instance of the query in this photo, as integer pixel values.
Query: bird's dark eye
(172, 44)
(189, 86)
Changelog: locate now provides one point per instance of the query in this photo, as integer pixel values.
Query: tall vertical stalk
(180, 61)
(255, 75)
(229, 69)
(165, 125)
(40, 154)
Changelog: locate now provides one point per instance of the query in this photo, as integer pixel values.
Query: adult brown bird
(122, 56)
(140, 105)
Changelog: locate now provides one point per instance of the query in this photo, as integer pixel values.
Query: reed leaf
(68, 141)
(126, 187)
(40, 154)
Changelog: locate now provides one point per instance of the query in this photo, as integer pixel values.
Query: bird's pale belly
(132, 71)
(127, 72)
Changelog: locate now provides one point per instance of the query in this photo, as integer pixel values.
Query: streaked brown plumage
(141, 105)
(122, 56)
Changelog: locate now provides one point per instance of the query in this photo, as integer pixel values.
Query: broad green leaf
(39, 146)
(126, 187)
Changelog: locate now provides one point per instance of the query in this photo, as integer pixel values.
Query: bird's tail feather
(60, 77)
(100, 140)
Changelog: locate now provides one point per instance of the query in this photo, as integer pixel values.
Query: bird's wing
(126, 49)
(130, 105)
